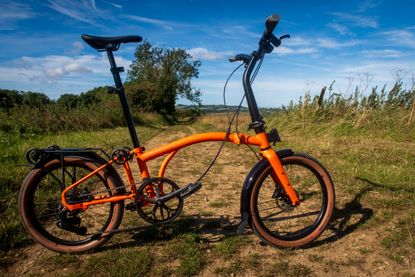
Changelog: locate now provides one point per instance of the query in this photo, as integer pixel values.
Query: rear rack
(36, 155)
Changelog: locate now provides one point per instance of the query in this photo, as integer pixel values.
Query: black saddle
(109, 43)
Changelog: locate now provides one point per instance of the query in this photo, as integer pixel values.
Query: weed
(132, 262)
(187, 250)
(60, 260)
(218, 203)
(230, 245)
(315, 258)
(233, 268)
(283, 268)
(254, 261)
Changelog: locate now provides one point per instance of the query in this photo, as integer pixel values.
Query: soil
(347, 248)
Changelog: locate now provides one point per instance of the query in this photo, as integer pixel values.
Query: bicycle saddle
(108, 43)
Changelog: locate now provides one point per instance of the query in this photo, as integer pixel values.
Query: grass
(186, 250)
(230, 245)
(12, 149)
(370, 155)
(120, 263)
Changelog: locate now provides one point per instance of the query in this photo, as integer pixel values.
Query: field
(372, 162)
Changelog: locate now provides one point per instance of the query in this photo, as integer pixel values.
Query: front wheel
(275, 220)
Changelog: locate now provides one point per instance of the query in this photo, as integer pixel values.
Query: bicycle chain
(125, 229)
(122, 230)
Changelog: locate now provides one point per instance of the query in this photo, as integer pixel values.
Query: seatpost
(123, 99)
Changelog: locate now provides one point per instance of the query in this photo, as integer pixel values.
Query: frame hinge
(273, 136)
(256, 125)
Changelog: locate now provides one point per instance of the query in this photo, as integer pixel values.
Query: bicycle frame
(260, 139)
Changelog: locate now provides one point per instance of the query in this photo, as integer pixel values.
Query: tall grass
(54, 118)
(392, 110)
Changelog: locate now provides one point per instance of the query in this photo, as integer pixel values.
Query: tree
(68, 100)
(157, 77)
(10, 99)
(35, 99)
(85, 99)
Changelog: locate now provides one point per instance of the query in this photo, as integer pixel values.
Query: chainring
(154, 211)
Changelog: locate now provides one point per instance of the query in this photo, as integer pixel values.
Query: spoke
(293, 217)
(74, 174)
(47, 215)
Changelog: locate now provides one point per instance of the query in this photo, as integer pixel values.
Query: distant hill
(220, 108)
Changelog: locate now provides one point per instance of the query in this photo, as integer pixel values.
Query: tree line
(155, 80)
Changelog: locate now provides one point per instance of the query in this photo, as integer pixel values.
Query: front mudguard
(248, 185)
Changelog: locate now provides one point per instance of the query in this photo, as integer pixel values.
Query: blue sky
(357, 43)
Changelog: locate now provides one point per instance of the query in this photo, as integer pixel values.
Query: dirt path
(344, 249)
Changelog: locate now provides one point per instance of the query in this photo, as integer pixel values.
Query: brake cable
(231, 120)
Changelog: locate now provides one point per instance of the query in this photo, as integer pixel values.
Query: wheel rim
(287, 223)
(44, 203)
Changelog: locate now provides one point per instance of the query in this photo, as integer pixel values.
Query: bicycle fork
(281, 175)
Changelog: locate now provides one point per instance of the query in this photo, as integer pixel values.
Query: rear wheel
(52, 226)
(275, 220)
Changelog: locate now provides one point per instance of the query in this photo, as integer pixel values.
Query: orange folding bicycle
(73, 199)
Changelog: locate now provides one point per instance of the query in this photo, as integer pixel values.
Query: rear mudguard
(87, 155)
(249, 183)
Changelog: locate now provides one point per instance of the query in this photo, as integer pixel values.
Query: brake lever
(275, 41)
(284, 36)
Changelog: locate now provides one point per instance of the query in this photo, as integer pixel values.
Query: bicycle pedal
(190, 189)
(131, 206)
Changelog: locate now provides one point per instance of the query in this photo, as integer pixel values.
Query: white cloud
(319, 42)
(205, 54)
(356, 20)
(168, 25)
(81, 72)
(385, 53)
(368, 5)
(84, 10)
(282, 50)
(118, 6)
(66, 69)
(341, 29)
(12, 12)
(297, 41)
(332, 43)
(77, 47)
(400, 37)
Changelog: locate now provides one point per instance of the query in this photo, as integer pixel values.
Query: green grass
(128, 263)
(371, 160)
(230, 245)
(187, 251)
(12, 150)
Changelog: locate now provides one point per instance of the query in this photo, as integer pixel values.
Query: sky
(354, 43)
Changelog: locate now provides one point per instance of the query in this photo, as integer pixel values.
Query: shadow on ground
(213, 229)
(344, 222)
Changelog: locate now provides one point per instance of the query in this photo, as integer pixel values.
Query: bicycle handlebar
(271, 23)
(266, 44)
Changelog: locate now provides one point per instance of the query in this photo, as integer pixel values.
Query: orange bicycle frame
(257, 124)
(171, 149)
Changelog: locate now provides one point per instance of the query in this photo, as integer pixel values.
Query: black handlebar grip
(271, 23)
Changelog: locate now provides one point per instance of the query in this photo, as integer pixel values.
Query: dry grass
(372, 232)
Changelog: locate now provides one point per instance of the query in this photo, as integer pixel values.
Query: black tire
(279, 224)
(40, 202)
